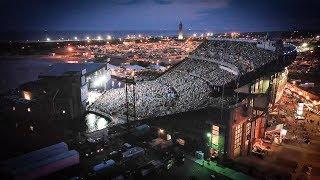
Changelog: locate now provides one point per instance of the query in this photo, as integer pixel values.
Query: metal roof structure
(62, 69)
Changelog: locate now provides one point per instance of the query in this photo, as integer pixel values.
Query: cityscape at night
(160, 89)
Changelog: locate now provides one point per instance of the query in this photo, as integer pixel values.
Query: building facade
(61, 93)
(229, 131)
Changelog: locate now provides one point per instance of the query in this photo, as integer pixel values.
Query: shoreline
(42, 57)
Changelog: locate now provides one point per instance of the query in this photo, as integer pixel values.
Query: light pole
(130, 81)
(127, 102)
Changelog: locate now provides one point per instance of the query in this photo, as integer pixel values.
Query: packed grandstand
(189, 84)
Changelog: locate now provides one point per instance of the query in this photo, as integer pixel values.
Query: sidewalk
(230, 173)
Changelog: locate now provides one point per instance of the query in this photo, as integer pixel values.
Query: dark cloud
(243, 15)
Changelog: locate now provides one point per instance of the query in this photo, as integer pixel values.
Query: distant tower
(267, 38)
(180, 34)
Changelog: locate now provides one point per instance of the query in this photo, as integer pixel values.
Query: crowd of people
(244, 55)
(187, 85)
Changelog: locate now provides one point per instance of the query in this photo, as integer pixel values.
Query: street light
(26, 95)
(208, 135)
(70, 49)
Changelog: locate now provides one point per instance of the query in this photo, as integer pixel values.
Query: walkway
(223, 65)
(230, 173)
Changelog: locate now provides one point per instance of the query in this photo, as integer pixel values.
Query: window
(215, 135)
(248, 129)
(237, 140)
(256, 87)
(260, 86)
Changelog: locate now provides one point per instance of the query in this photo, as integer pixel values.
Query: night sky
(213, 15)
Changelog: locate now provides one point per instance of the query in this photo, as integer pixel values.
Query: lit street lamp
(210, 139)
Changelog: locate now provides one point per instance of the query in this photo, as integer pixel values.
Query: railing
(292, 47)
(234, 40)
(227, 66)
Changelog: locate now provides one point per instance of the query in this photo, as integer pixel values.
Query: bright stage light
(99, 81)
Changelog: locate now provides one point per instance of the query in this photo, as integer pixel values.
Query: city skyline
(215, 15)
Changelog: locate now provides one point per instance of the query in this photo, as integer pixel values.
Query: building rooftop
(61, 69)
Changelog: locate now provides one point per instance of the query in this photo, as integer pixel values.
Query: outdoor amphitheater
(195, 83)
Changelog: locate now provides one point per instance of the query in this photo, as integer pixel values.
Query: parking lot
(160, 158)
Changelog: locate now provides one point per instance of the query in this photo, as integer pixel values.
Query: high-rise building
(180, 34)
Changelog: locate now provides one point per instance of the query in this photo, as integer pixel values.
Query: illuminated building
(228, 127)
(61, 93)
